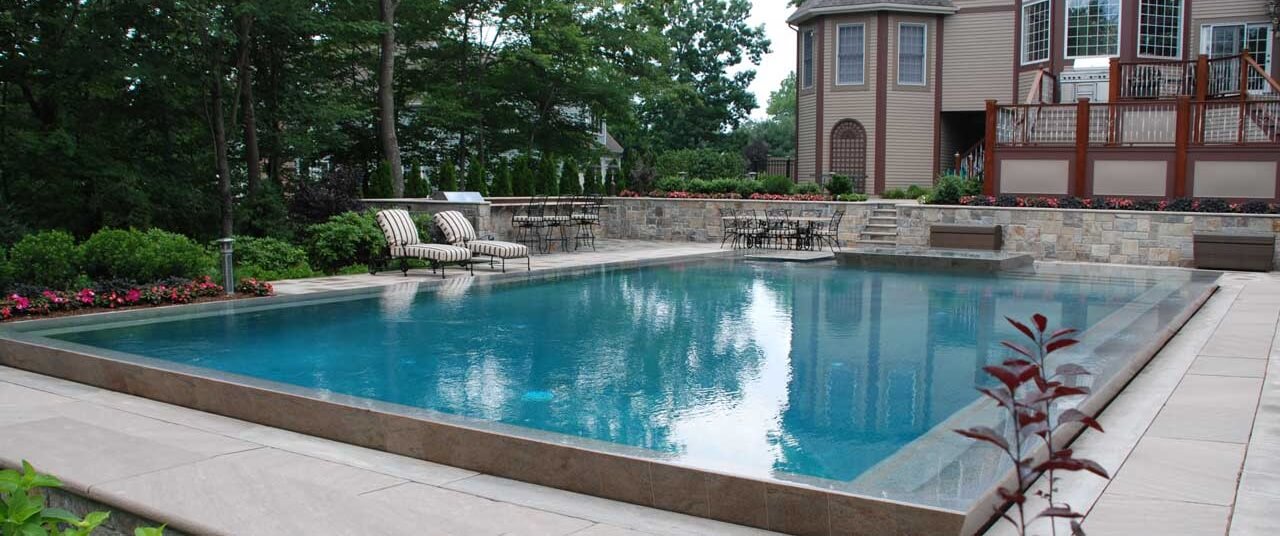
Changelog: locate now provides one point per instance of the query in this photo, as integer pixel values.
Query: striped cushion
(433, 252)
(501, 250)
(455, 227)
(398, 228)
(586, 217)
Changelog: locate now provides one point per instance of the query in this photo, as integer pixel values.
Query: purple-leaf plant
(1029, 392)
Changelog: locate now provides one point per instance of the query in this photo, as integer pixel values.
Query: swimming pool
(828, 377)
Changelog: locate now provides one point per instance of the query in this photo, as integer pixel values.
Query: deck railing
(1203, 78)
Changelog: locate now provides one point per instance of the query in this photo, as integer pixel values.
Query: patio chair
(778, 228)
(586, 217)
(559, 220)
(527, 222)
(403, 243)
(729, 226)
(830, 234)
(459, 232)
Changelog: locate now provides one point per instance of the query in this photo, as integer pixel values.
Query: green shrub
(346, 239)
(950, 188)
(746, 188)
(777, 184)
(144, 256)
(591, 184)
(48, 258)
(894, 193)
(6, 270)
(840, 185)
(915, 191)
(671, 184)
(809, 188)
(852, 198)
(725, 186)
(447, 178)
(569, 181)
(522, 183)
(379, 186)
(422, 221)
(25, 512)
(268, 259)
(476, 181)
(701, 164)
(548, 179)
(415, 185)
(263, 213)
(502, 181)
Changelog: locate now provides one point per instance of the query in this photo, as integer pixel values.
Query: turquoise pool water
(758, 369)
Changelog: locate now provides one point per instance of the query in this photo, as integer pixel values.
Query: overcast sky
(777, 64)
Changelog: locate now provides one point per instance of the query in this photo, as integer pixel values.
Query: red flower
(5, 313)
(85, 296)
(133, 296)
(20, 303)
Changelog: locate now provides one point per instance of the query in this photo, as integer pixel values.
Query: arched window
(849, 149)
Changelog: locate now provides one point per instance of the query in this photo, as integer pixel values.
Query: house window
(808, 59)
(1160, 28)
(850, 54)
(911, 55)
(1093, 28)
(1035, 31)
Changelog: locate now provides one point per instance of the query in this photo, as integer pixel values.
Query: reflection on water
(765, 370)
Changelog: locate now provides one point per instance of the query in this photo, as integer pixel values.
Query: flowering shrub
(733, 195)
(173, 291)
(255, 288)
(792, 197)
(1210, 205)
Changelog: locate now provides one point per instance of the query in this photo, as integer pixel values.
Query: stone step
(884, 213)
(880, 233)
(883, 220)
(877, 242)
(883, 225)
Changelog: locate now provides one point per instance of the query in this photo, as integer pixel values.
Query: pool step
(881, 228)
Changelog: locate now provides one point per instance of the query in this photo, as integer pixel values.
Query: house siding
(805, 137)
(851, 102)
(909, 148)
(976, 57)
(1025, 80)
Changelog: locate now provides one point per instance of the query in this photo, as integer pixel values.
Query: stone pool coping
(584, 466)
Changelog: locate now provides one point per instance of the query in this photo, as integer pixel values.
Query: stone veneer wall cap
(1099, 211)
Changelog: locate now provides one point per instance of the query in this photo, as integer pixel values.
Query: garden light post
(228, 278)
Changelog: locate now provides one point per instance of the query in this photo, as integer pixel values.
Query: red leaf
(1012, 346)
(1003, 398)
(1063, 332)
(1093, 467)
(1041, 322)
(1060, 511)
(1011, 496)
(1033, 417)
(1072, 464)
(1073, 415)
(1006, 376)
(1059, 344)
(983, 433)
(1022, 327)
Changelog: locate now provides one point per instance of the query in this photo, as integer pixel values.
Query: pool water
(758, 369)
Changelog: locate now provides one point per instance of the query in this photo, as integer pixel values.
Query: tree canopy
(167, 112)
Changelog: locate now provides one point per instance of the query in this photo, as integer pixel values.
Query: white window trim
(924, 64)
(1066, 31)
(1022, 39)
(1182, 30)
(808, 78)
(836, 56)
(1206, 38)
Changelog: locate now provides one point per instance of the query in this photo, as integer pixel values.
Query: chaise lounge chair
(403, 243)
(459, 232)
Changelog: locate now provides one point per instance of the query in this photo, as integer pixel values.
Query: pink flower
(20, 303)
(133, 296)
(5, 313)
(85, 296)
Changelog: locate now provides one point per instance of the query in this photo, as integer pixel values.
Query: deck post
(1082, 147)
(1181, 138)
(1202, 77)
(1113, 88)
(1244, 95)
(989, 172)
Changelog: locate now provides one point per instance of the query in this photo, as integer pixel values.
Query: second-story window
(1035, 31)
(1160, 28)
(850, 54)
(807, 59)
(911, 53)
(1093, 28)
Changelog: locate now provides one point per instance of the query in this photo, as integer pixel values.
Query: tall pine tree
(522, 182)
(502, 180)
(591, 186)
(476, 181)
(570, 181)
(447, 177)
(548, 181)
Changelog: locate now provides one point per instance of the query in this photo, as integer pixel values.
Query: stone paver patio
(1193, 444)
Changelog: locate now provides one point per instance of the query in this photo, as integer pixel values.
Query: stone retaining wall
(1122, 237)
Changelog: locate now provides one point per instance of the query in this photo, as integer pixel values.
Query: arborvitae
(548, 182)
(447, 178)
(502, 180)
(569, 180)
(475, 178)
(415, 185)
(522, 178)
(591, 185)
(380, 183)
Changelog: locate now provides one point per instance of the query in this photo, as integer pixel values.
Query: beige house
(894, 90)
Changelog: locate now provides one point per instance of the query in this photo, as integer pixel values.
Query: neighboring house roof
(814, 8)
(612, 145)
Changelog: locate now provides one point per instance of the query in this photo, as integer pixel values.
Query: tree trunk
(219, 128)
(244, 71)
(387, 98)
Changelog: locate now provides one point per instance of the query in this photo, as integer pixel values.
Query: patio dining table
(804, 226)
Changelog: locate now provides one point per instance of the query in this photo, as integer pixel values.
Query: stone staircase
(881, 228)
